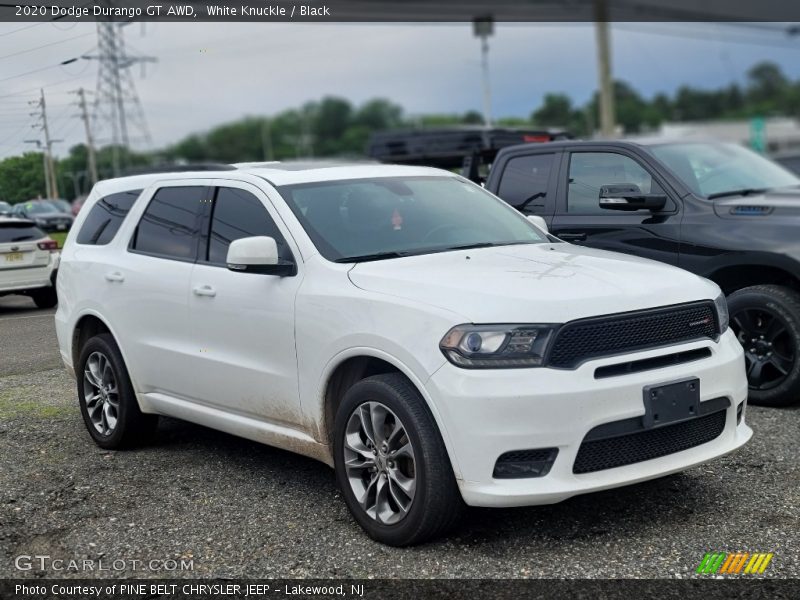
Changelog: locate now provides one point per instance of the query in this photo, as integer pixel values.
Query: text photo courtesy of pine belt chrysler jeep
(715, 209)
(400, 324)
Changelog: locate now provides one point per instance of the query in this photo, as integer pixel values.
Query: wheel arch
(356, 364)
(733, 277)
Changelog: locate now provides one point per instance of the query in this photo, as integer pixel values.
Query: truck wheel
(45, 297)
(766, 320)
(391, 463)
(107, 400)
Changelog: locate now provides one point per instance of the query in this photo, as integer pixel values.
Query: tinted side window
(524, 181)
(168, 226)
(237, 214)
(19, 232)
(588, 171)
(105, 218)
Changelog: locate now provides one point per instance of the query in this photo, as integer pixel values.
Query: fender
(86, 312)
(353, 352)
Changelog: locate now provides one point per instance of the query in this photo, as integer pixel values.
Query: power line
(22, 29)
(46, 45)
(61, 64)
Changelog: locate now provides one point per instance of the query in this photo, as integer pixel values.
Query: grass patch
(11, 405)
(59, 236)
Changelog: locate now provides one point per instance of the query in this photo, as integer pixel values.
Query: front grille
(581, 340)
(598, 455)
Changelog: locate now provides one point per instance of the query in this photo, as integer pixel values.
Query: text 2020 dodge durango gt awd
(400, 324)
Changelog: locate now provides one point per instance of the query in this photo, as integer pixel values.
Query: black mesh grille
(616, 334)
(597, 455)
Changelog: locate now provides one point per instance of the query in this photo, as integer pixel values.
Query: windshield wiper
(471, 246)
(370, 257)
(740, 192)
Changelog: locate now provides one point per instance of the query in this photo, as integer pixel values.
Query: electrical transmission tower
(118, 110)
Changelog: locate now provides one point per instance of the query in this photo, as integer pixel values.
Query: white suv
(400, 324)
(28, 261)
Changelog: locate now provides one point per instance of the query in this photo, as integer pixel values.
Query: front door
(580, 220)
(243, 323)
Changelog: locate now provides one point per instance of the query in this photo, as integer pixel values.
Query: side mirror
(539, 222)
(627, 196)
(258, 254)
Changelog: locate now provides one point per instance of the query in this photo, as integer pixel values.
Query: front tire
(107, 400)
(391, 463)
(766, 320)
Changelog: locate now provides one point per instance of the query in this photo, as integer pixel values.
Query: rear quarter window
(106, 217)
(19, 232)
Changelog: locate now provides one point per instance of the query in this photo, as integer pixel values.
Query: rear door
(145, 285)
(579, 219)
(528, 181)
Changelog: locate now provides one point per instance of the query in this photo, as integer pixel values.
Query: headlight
(721, 304)
(497, 346)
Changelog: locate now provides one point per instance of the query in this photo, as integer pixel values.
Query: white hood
(537, 283)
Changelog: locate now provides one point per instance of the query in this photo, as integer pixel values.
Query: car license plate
(671, 402)
(13, 257)
(61, 227)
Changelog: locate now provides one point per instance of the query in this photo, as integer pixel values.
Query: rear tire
(45, 297)
(407, 488)
(107, 400)
(766, 320)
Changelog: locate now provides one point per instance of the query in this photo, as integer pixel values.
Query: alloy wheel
(101, 394)
(379, 462)
(768, 345)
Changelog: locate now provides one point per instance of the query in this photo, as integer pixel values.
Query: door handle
(572, 237)
(115, 277)
(205, 290)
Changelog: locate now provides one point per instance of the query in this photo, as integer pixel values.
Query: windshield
(370, 219)
(33, 208)
(718, 169)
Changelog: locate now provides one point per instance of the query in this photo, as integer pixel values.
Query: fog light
(520, 464)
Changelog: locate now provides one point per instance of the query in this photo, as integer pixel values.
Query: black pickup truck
(713, 208)
(716, 209)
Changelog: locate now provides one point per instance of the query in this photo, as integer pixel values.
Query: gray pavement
(237, 508)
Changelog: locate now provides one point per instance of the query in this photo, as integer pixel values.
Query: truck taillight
(50, 245)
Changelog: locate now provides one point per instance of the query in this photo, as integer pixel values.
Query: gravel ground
(240, 509)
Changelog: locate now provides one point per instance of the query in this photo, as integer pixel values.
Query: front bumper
(489, 412)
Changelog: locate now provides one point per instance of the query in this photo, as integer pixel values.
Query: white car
(28, 261)
(400, 324)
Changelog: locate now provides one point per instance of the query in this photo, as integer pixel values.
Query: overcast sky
(210, 73)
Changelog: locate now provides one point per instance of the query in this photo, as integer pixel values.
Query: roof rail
(146, 170)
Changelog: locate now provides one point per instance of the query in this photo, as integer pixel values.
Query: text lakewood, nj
(243, 10)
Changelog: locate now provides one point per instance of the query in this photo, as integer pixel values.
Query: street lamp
(483, 27)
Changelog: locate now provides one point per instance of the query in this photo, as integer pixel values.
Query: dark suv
(713, 208)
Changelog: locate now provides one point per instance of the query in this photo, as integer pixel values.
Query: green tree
(22, 177)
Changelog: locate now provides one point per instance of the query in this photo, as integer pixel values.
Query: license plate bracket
(671, 402)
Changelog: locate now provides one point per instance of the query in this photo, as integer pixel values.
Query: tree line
(335, 127)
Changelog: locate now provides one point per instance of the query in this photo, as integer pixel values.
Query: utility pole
(483, 27)
(44, 165)
(50, 172)
(607, 112)
(89, 141)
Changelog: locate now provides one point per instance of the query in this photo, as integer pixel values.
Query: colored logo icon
(735, 563)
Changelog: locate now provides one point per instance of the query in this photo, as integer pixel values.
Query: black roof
(447, 147)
